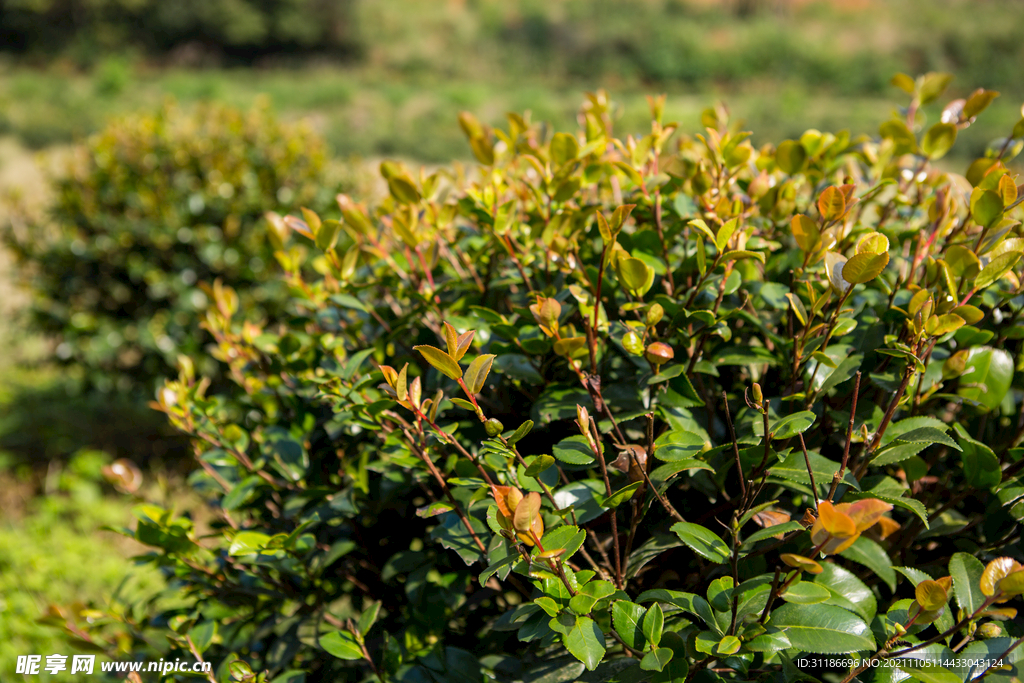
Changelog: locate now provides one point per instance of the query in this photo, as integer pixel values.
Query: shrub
(149, 212)
(656, 409)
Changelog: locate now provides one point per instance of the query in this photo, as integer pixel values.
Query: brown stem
(447, 492)
(599, 453)
(735, 446)
(838, 477)
(810, 472)
(771, 596)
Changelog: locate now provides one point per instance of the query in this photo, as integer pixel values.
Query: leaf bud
(631, 342)
(655, 312)
(493, 427)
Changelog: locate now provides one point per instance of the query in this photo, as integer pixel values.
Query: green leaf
(476, 373)
(403, 189)
(566, 536)
(996, 269)
(966, 571)
(627, 617)
(981, 464)
(938, 140)
(864, 267)
(621, 496)
(493, 568)
(806, 593)
(847, 590)
(790, 156)
(927, 672)
(248, 542)
(726, 232)
(688, 602)
(574, 450)
(769, 532)
(653, 623)
(739, 255)
(987, 376)
(794, 468)
(589, 595)
(635, 275)
(823, 629)
(327, 235)
(786, 427)
(522, 431)
(369, 617)
(703, 228)
(927, 435)
(986, 207)
(440, 360)
(656, 660)
(772, 640)
(868, 553)
(585, 641)
(933, 84)
(564, 148)
(702, 541)
(342, 645)
(539, 464)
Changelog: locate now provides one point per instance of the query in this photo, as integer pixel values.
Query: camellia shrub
(148, 214)
(665, 408)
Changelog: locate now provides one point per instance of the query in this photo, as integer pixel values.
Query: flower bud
(493, 427)
(756, 391)
(659, 353)
(655, 313)
(990, 630)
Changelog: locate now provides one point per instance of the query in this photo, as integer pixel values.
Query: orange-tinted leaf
(526, 511)
(462, 344)
(802, 563)
(864, 513)
(834, 521)
(996, 571)
(832, 203)
(887, 526)
(451, 339)
(931, 595)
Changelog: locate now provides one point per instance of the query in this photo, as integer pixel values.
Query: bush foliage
(148, 213)
(648, 409)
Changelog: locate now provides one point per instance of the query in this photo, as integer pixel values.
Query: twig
(735, 446)
(838, 477)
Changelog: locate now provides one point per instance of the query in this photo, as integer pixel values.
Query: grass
(53, 552)
(367, 115)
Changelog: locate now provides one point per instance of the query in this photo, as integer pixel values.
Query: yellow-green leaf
(703, 227)
(996, 269)
(739, 255)
(931, 595)
(806, 232)
(938, 140)
(440, 360)
(864, 267)
(476, 373)
(726, 232)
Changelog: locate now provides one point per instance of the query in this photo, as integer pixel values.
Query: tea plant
(146, 212)
(666, 409)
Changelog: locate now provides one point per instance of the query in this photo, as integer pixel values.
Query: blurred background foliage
(388, 76)
(380, 78)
